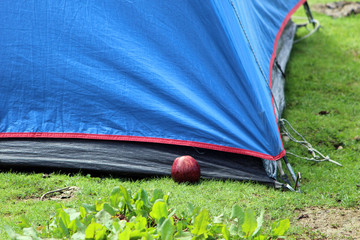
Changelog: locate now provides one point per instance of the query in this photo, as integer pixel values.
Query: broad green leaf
(104, 218)
(194, 211)
(10, 232)
(147, 236)
(160, 222)
(59, 206)
(63, 227)
(73, 213)
(126, 196)
(82, 212)
(139, 205)
(250, 223)
(201, 223)
(64, 217)
(116, 227)
(136, 234)
(142, 200)
(80, 226)
(215, 229)
(234, 230)
(99, 205)
(157, 194)
(125, 235)
(114, 235)
(167, 230)
(145, 198)
(166, 198)
(89, 207)
(101, 235)
(259, 221)
(131, 224)
(225, 232)
(140, 223)
(108, 208)
(260, 237)
(78, 236)
(183, 235)
(88, 219)
(31, 233)
(18, 237)
(115, 197)
(238, 213)
(72, 226)
(95, 231)
(159, 210)
(280, 227)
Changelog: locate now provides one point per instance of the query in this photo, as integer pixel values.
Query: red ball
(185, 169)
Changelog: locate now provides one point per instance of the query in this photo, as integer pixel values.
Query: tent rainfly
(125, 87)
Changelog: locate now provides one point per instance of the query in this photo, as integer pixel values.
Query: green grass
(323, 75)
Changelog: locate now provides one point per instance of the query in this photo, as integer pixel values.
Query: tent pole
(309, 14)
(283, 175)
(297, 183)
(290, 169)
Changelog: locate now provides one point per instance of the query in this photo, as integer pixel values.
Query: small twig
(53, 191)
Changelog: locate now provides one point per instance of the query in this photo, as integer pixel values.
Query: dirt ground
(333, 223)
(60, 194)
(337, 9)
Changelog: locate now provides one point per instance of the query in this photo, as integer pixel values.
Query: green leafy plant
(125, 216)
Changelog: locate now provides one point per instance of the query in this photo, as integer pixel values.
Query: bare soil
(330, 223)
(65, 194)
(337, 9)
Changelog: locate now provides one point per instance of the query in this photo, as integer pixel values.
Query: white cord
(317, 156)
(317, 26)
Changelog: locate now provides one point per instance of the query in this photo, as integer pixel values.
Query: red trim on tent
(273, 56)
(278, 35)
(140, 139)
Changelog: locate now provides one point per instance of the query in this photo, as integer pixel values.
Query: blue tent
(184, 75)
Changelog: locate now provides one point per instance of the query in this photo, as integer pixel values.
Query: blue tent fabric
(187, 72)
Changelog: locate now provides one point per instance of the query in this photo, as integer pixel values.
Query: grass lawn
(323, 75)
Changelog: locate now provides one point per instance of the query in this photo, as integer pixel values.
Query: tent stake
(309, 14)
(297, 182)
